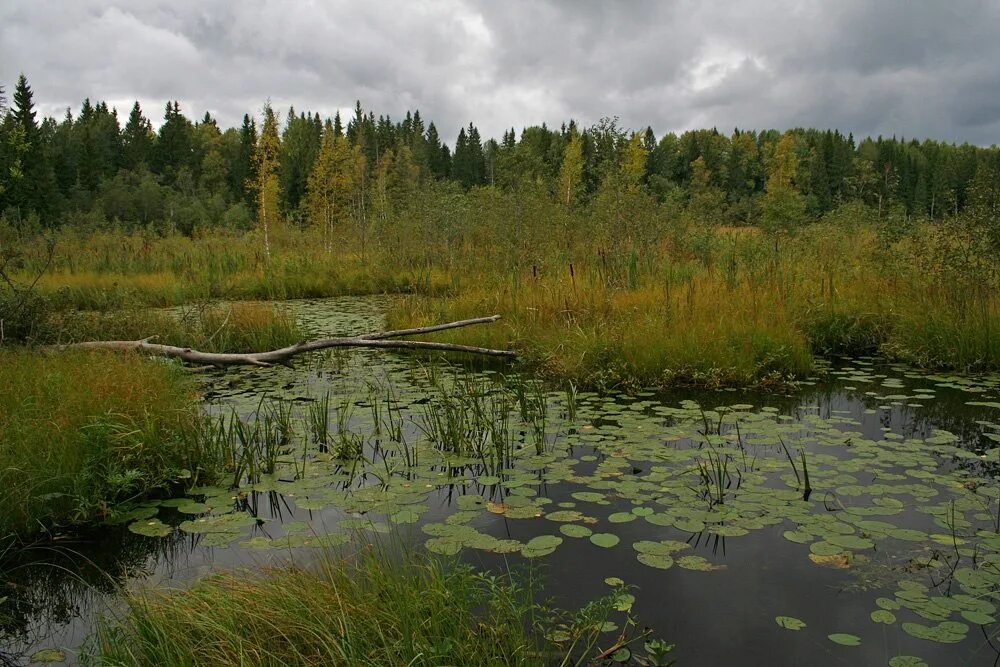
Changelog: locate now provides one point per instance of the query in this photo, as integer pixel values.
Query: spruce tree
(31, 186)
(137, 139)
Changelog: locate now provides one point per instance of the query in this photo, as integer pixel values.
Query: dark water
(916, 450)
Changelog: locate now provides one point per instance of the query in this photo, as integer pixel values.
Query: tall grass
(84, 432)
(371, 609)
(111, 270)
(670, 301)
(245, 326)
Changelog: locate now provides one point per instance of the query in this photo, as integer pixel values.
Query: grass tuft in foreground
(371, 609)
(84, 432)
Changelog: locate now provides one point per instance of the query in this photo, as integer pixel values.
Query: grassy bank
(107, 270)
(739, 311)
(249, 326)
(84, 432)
(372, 609)
(596, 299)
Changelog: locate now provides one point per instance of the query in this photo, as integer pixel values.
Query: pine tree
(241, 165)
(173, 149)
(30, 185)
(300, 143)
(437, 159)
(137, 139)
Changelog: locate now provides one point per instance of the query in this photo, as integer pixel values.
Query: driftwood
(284, 355)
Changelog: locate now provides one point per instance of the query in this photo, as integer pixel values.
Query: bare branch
(285, 354)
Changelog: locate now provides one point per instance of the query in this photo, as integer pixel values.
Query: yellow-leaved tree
(333, 184)
(265, 182)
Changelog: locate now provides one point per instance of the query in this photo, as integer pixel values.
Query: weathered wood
(379, 339)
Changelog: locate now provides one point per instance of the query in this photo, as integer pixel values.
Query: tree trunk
(284, 355)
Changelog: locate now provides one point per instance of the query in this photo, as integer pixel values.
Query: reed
(85, 433)
(370, 608)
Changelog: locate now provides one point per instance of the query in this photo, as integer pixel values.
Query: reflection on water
(864, 504)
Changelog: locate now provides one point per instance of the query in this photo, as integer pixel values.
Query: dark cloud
(887, 67)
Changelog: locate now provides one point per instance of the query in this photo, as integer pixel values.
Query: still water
(860, 508)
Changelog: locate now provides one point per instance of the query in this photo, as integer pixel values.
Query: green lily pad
(883, 616)
(48, 655)
(659, 561)
(906, 661)
(151, 528)
(605, 540)
(575, 530)
(844, 639)
(789, 622)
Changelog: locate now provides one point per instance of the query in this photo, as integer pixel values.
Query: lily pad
(844, 639)
(789, 622)
(605, 540)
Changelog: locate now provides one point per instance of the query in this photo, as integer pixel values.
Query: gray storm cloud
(890, 67)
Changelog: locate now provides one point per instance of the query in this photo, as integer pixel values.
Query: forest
(92, 169)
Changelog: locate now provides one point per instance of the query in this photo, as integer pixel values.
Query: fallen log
(283, 356)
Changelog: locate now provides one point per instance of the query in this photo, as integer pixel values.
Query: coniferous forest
(92, 168)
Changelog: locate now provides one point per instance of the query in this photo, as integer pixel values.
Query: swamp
(304, 391)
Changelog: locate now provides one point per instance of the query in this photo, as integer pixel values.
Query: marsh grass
(245, 326)
(107, 270)
(685, 303)
(701, 332)
(85, 432)
(371, 608)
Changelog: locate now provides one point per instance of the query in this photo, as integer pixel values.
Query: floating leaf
(844, 639)
(659, 561)
(906, 661)
(575, 530)
(840, 561)
(942, 633)
(151, 528)
(798, 537)
(443, 545)
(789, 622)
(697, 563)
(977, 617)
(605, 540)
(883, 616)
(48, 655)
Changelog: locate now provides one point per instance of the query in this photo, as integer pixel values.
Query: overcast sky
(910, 68)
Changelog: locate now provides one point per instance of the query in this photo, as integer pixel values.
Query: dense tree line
(90, 168)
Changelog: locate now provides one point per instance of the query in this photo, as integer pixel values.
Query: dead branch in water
(380, 339)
